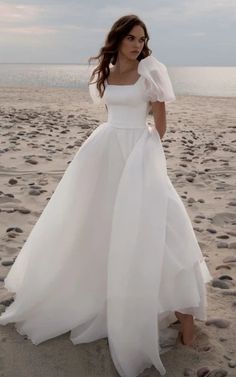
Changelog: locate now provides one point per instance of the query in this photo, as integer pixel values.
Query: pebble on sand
(188, 372)
(233, 203)
(23, 210)
(232, 364)
(218, 322)
(225, 277)
(229, 259)
(223, 266)
(202, 372)
(222, 245)
(229, 293)
(218, 373)
(31, 161)
(12, 181)
(34, 192)
(217, 283)
(232, 245)
(211, 230)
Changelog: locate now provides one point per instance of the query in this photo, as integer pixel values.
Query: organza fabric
(156, 86)
(113, 253)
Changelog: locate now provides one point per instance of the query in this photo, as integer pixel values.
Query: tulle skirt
(113, 253)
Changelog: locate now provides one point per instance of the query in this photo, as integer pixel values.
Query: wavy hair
(109, 52)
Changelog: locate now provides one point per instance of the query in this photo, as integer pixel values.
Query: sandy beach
(41, 130)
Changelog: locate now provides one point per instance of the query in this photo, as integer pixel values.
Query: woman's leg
(187, 327)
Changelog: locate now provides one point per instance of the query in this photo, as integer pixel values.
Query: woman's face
(132, 44)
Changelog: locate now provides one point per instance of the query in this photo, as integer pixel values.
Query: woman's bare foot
(187, 327)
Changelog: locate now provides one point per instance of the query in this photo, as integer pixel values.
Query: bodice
(126, 105)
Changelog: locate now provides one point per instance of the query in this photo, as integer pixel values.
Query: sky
(182, 32)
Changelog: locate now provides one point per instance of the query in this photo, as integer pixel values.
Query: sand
(41, 130)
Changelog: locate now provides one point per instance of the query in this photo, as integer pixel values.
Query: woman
(114, 253)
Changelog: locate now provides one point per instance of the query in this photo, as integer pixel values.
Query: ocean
(203, 81)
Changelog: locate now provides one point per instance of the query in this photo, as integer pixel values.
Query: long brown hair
(109, 52)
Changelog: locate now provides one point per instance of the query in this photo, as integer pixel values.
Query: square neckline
(124, 84)
(127, 85)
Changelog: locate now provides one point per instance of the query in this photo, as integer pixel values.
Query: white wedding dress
(114, 253)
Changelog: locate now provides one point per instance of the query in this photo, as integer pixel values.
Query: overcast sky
(182, 32)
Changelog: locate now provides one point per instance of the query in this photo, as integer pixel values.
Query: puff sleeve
(157, 83)
(93, 91)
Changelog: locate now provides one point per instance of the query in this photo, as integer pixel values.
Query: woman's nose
(137, 43)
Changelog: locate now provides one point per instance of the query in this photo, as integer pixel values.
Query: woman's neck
(124, 65)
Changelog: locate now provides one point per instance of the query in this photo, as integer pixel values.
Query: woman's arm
(159, 115)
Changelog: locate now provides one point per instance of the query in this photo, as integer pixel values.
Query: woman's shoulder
(158, 86)
(151, 63)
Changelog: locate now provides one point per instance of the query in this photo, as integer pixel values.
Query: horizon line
(81, 63)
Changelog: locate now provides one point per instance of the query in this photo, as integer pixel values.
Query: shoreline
(85, 91)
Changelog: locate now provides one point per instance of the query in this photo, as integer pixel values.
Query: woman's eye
(131, 38)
